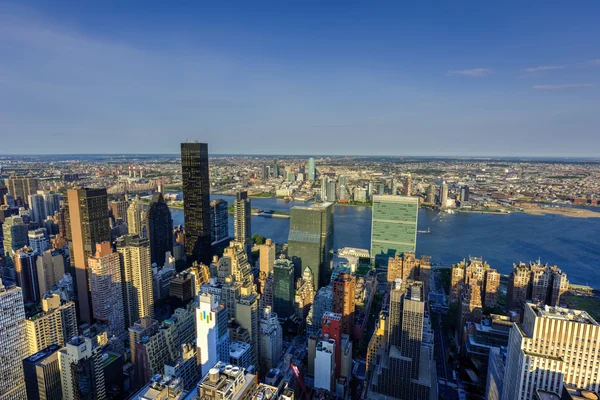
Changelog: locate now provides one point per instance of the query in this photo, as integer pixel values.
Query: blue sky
(285, 77)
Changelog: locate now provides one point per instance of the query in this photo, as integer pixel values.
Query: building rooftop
(264, 392)
(236, 349)
(546, 395)
(565, 314)
(158, 387)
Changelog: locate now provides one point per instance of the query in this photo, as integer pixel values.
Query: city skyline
(447, 81)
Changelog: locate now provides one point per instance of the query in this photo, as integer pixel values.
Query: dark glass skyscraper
(160, 229)
(310, 241)
(196, 201)
(241, 220)
(283, 294)
(219, 221)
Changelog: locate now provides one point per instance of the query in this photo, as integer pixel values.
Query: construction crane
(300, 381)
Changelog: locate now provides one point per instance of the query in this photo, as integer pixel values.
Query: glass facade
(283, 296)
(196, 202)
(310, 241)
(219, 221)
(394, 226)
(160, 229)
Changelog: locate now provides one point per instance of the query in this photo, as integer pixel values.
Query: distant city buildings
(219, 221)
(159, 225)
(242, 221)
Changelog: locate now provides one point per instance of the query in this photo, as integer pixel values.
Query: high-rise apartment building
(311, 169)
(159, 228)
(283, 295)
(470, 306)
(13, 342)
(212, 334)
(50, 269)
(55, 324)
(478, 272)
(52, 203)
(38, 240)
(407, 187)
(394, 227)
(87, 226)
(310, 241)
(135, 220)
(344, 287)
(42, 374)
(15, 235)
(271, 340)
(119, 209)
(106, 286)
(136, 273)
(219, 221)
(407, 266)
(247, 315)
(241, 220)
(443, 197)
(551, 348)
(25, 262)
(430, 197)
(238, 260)
(81, 372)
(536, 282)
(21, 187)
(196, 201)
(37, 205)
(267, 256)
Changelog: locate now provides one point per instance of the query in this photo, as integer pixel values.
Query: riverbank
(564, 211)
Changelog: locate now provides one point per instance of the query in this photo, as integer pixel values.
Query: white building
(38, 241)
(552, 346)
(80, 361)
(325, 364)
(37, 205)
(212, 333)
(240, 354)
(13, 343)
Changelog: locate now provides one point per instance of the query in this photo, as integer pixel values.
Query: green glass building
(283, 293)
(310, 242)
(394, 226)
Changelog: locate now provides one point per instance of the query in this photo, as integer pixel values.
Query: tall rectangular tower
(310, 241)
(88, 223)
(212, 333)
(394, 226)
(13, 342)
(241, 220)
(196, 201)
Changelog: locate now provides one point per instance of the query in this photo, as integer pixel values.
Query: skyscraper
(212, 333)
(42, 374)
(134, 217)
(241, 221)
(310, 241)
(13, 342)
(196, 198)
(55, 324)
(37, 205)
(38, 240)
(106, 286)
(267, 257)
(26, 274)
(119, 209)
(311, 169)
(136, 272)
(443, 195)
(407, 187)
(15, 235)
(219, 221)
(394, 226)
(271, 340)
(21, 187)
(52, 203)
(283, 295)
(551, 348)
(275, 170)
(88, 225)
(159, 229)
(50, 269)
(81, 372)
(344, 287)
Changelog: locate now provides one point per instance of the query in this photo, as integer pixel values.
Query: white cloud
(474, 72)
(593, 63)
(563, 86)
(543, 68)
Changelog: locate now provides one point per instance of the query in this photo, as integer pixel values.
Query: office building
(106, 286)
(25, 271)
(196, 202)
(310, 241)
(311, 169)
(406, 266)
(283, 295)
(38, 240)
(87, 225)
(241, 221)
(118, 209)
(55, 324)
(21, 187)
(275, 169)
(182, 287)
(271, 340)
(322, 303)
(159, 228)
(378, 341)
(37, 205)
(161, 387)
(443, 195)
(81, 372)
(42, 374)
(219, 221)
(185, 367)
(52, 203)
(394, 227)
(212, 333)
(537, 283)
(247, 315)
(495, 376)
(13, 342)
(15, 234)
(50, 269)
(267, 256)
(226, 382)
(241, 269)
(136, 273)
(240, 354)
(551, 348)
(325, 365)
(344, 288)
(135, 220)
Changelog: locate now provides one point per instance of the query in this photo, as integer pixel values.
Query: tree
(258, 239)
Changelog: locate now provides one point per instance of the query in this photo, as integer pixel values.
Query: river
(571, 243)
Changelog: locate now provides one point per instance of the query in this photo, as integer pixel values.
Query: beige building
(56, 324)
(135, 218)
(378, 340)
(21, 187)
(136, 272)
(238, 258)
(553, 346)
(406, 266)
(50, 269)
(536, 282)
(477, 272)
(267, 256)
(224, 382)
